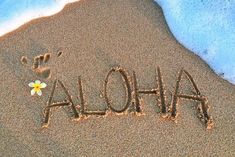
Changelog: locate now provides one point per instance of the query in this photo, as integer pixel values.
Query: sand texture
(87, 39)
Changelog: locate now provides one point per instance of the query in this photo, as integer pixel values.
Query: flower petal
(39, 92)
(43, 85)
(31, 84)
(32, 91)
(37, 82)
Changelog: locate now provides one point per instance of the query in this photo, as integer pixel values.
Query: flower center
(37, 87)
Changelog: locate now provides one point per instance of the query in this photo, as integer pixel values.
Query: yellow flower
(37, 85)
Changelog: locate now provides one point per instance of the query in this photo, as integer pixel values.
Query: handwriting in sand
(133, 98)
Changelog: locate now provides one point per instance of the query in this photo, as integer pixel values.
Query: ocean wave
(14, 13)
(207, 28)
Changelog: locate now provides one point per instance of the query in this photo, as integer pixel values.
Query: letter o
(128, 89)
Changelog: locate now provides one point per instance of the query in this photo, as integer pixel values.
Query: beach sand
(95, 36)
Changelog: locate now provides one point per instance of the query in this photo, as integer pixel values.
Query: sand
(95, 36)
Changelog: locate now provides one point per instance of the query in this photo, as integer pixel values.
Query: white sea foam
(207, 28)
(14, 13)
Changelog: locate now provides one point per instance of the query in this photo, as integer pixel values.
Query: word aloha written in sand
(133, 99)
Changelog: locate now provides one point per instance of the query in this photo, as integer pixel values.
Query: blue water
(206, 27)
(14, 13)
(12, 8)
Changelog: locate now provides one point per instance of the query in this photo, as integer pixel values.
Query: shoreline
(65, 9)
(36, 20)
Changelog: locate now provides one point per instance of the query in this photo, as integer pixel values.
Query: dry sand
(95, 36)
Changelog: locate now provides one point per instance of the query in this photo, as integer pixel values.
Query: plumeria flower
(37, 86)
